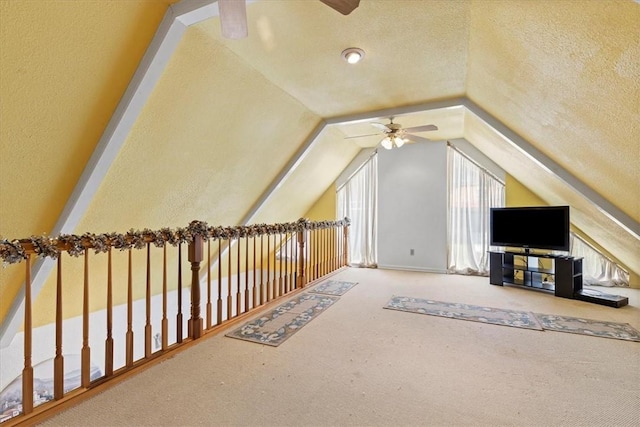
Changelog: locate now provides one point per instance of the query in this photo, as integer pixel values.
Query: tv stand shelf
(560, 275)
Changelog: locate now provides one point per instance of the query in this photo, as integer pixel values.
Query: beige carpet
(361, 365)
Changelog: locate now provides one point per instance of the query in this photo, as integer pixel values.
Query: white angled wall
(412, 207)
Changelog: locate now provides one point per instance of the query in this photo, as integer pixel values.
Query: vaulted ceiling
(96, 135)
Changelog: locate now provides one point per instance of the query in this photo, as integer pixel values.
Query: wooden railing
(229, 271)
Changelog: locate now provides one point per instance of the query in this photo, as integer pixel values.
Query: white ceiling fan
(233, 15)
(395, 136)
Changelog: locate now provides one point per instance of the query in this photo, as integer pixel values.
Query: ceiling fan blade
(424, 128)
(362, 136)
(345, 7)
(233, 18)
(415, 138)
(380, 126)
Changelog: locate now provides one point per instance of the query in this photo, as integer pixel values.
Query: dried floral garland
(15, 251)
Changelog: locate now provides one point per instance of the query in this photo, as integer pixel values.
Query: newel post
(301, 281)
(195, 257)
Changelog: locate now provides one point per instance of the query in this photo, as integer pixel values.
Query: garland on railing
(15, 251)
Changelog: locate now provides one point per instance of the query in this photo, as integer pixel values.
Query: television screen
(540, 227)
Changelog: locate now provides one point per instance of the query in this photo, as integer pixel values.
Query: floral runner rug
(276, 326)
(596, 328)
(333, 287)
(518, 319)
(475, 313)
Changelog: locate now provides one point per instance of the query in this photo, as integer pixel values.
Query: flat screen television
(539, 227)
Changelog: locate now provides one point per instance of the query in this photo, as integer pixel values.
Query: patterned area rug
(597, 328)
(333, 287)
(274, 327)
(518, 319)
(475, 313)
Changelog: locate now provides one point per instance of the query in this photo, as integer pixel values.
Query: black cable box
(610, 300)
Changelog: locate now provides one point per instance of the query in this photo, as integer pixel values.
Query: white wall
(412, 207)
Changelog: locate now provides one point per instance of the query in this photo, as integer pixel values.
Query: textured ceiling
(226, 118)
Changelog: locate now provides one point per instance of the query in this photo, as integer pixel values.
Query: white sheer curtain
(472, 191)
(357, 200)
(596, 268)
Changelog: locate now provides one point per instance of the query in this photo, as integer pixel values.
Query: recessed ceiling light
(353, 55)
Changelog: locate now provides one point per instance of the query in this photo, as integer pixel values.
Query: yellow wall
(64, 66)
(516, 194)
(325, 206)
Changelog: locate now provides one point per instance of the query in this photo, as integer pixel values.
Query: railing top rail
(17, 250)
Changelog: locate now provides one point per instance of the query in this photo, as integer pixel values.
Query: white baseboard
(412, 268)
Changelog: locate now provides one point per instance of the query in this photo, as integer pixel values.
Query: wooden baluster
(340, 245)
(274, 288)
(209, 306)
(268, 268)
(27, 371)
(246, 274)
(328, 268)
(255, 294)
(58, 362)
(331, 249)
(334, 245)
(147, 326)
(261, 269)
(238, 288)
(292, 262)
(338, 248)
(129, 335)
(179, 320)
(165, 320)
(85, 354)
(312, 255)
(229, 283)
(219, 313)
(326, 251)
(323, 252)
(280, 279)
(108, 345)
(316, 253)
(286, 263)
(300, 279)
(345, 246)
(195, 257)
(307, 259)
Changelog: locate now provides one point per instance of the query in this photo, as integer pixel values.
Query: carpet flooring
(515, 318)
(360, 365)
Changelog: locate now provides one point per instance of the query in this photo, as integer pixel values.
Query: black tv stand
(557, 274)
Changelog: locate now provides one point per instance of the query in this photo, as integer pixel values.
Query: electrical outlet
(411, 252)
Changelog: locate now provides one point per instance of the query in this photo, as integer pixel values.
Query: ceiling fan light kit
(392, 141)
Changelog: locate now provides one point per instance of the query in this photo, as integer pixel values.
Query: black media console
(560, 275)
